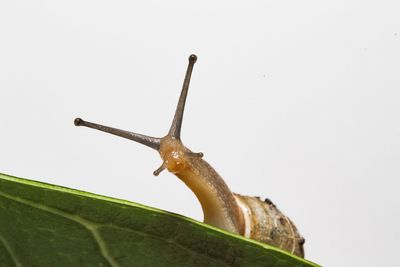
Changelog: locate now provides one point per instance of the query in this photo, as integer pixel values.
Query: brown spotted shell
(267, 224)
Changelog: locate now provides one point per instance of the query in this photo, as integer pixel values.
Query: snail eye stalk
(149, 141)
(175, 130)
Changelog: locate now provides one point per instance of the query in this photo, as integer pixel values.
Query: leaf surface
(45, 225)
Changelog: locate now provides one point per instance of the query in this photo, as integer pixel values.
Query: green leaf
(45, 225)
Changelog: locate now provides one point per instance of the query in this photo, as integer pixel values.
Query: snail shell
(264, 222)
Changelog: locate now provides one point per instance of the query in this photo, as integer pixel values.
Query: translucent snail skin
(244, 215)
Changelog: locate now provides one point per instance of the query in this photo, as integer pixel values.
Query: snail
(248, 216)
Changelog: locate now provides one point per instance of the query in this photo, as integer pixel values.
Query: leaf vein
(10, 251)
(92, 227)
(170, 241)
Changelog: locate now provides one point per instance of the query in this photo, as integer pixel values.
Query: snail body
(244, 215)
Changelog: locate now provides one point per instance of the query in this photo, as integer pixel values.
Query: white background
(297, 101)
